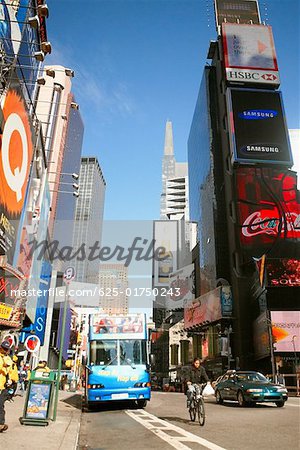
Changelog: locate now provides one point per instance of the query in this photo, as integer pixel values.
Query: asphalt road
(164, 424)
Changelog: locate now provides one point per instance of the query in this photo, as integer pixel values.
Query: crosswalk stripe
(151, 422)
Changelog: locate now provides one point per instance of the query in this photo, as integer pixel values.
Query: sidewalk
(59, 435)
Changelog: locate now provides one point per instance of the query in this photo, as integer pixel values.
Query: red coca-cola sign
(268, 211)
(270, 222)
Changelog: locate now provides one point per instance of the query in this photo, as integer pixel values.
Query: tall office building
(89, 216)
(66, 201)
(174, 196)
(113, 283)
(53, 104)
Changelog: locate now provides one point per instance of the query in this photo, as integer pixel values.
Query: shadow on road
(251, 405)
(74, 401)
(177, 419)
(112, 406)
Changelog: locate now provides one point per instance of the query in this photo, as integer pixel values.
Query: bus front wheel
(141, 403)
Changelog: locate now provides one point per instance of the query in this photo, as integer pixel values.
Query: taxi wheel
(240, 399)
(219, 399)
(279, 404)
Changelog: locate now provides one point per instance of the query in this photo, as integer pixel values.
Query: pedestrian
(5, 381)
(28, 373)
(42, 367)
(22, 377)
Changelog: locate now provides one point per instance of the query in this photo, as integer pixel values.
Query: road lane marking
(145, 419)
(295, 406)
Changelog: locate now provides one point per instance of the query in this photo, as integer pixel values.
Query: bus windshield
(132, 352)
(118, 352)
(103, 353)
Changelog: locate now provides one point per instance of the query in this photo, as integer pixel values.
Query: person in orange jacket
(6, 382)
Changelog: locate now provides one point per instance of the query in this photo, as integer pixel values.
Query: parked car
(249, 387)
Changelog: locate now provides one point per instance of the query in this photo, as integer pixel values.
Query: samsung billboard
(257, 127)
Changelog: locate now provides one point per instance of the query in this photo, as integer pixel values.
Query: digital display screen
(242, 11)
(257, 126)
(283, 272)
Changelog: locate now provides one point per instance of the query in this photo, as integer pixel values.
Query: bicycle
(196, 407)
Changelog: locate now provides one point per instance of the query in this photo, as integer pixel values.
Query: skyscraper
(66, 202)
(89, 216)
(113, 283)
(174, 197)
(53, 105)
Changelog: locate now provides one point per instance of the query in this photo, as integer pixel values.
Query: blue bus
(117, 366)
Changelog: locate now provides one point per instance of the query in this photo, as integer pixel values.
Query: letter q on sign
(16, 178)
(16, 151)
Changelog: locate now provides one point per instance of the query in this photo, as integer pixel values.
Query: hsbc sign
(253, 76)
(249, 54)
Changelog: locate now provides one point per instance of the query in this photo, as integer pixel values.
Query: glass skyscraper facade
(89, 217)
(206, 196)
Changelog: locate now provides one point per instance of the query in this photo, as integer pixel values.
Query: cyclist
(196, 375)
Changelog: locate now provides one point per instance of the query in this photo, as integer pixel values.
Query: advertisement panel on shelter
(283, 272)
(118, 327)
(38, 401)
(268, 212)
(166, 237)
(16, 155)
(286, 330)
(257, 127)
(181, 287)
(206, 308)
(237, 11)
(249, 54)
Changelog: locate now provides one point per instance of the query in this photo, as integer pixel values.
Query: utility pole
(69, 274)
(61, 348)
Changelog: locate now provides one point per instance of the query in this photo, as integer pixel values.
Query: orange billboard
(16, 151)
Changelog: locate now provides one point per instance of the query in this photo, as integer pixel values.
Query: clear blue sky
(139, 63)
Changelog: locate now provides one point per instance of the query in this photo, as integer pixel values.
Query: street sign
(32, 343)
(69, 274)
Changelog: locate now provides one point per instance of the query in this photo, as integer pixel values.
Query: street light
(295, 354)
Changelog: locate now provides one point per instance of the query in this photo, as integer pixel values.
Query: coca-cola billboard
(268, 212)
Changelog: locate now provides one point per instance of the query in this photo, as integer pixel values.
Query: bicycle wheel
(201, 412)
(192, 411)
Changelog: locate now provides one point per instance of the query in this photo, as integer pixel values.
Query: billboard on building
(283, 272)
(261, 338)
(257, 127)
(16, 155)
(286, 330)
(237, 11)
(166, 238)
(249, 54)
(268, 212)
(206, 308)
(181, 287)
(12, 300)
(118, 327)
(39, 325)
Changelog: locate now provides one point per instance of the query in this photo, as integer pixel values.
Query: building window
(184, 351)
(174, 354)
